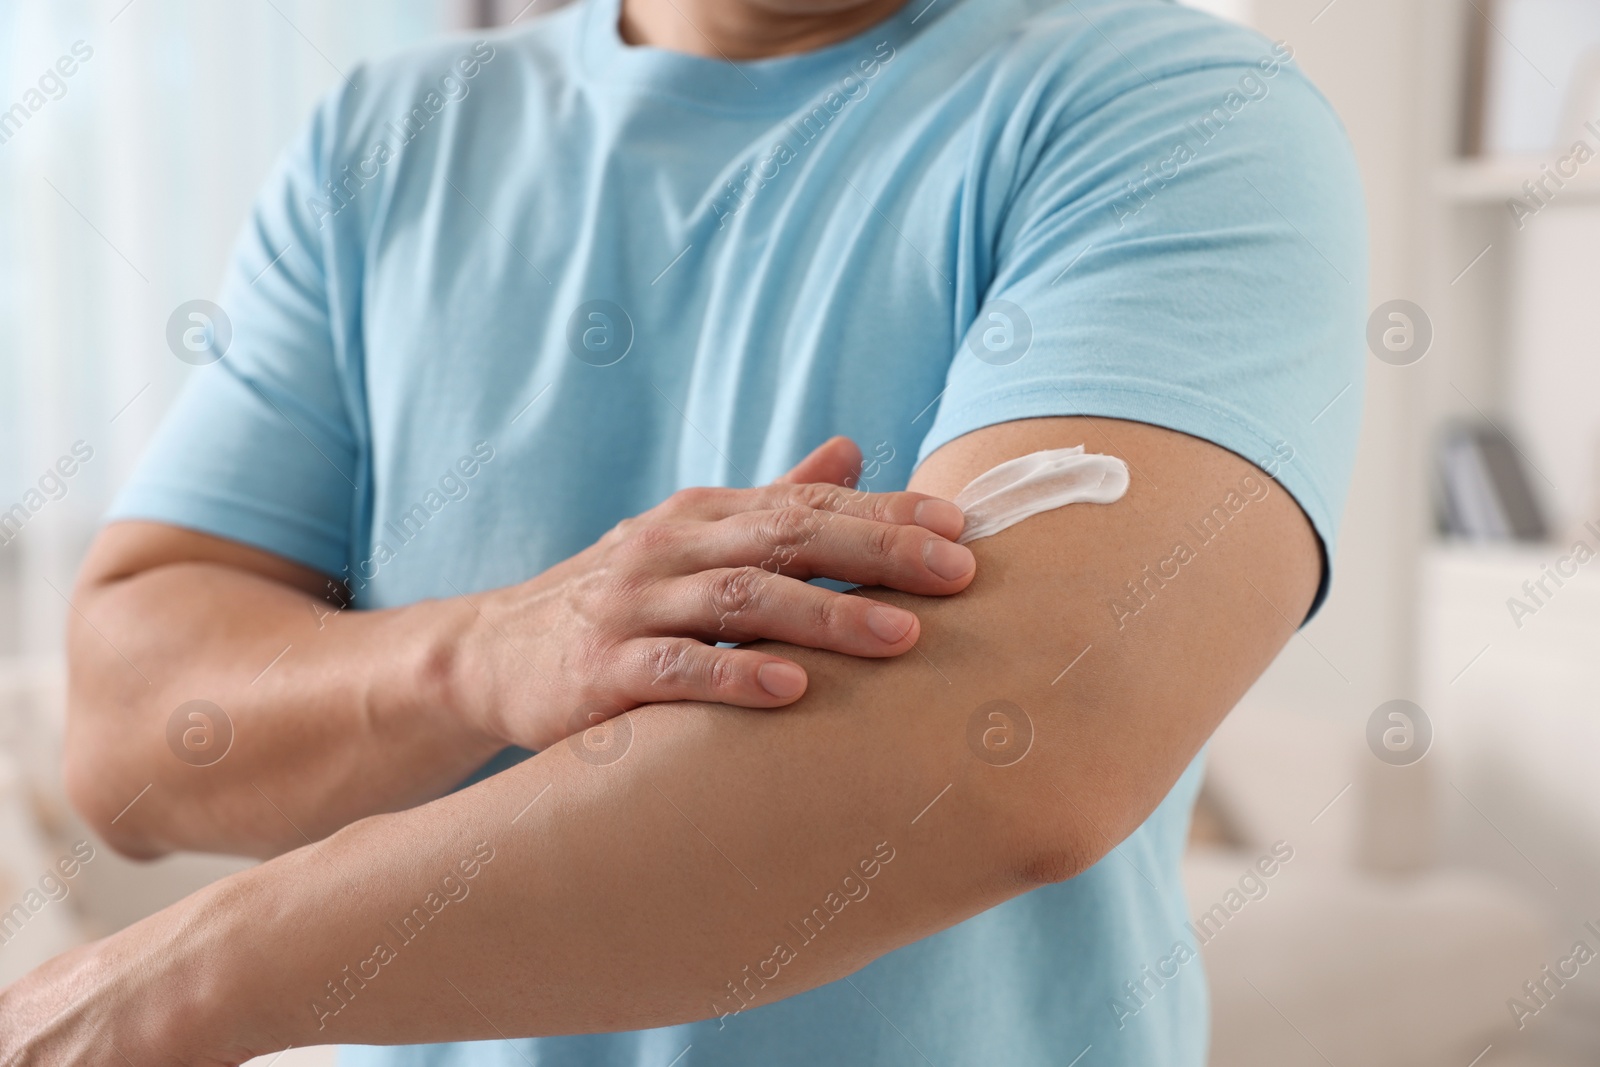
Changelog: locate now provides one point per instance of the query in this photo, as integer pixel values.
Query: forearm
(631, 894)
(346, 714)
(333, 715)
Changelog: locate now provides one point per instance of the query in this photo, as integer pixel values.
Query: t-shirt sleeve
(1189, 253)
(262, 445)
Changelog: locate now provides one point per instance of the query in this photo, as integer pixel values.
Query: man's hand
(331, 715)
(635, 618)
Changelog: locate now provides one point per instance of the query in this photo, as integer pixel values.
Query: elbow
(86, 779)
(98, 778)
(1054, 861)
(1060, 839)
(119, 834)
(104, 773)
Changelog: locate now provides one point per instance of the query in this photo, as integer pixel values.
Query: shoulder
(1100, 98)
(385, 126)
(449, 79)
(1085, 101)
(1094, 50)
(1120, 72)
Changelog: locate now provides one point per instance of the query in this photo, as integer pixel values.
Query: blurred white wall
(1357, 654)
(1234, 10)
(119, 201)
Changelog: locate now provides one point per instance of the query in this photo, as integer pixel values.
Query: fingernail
(890, 625)
(782, 680)
(947, 559)
(940, 516)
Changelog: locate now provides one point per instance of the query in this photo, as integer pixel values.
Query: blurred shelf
(1492, 557)
(1503, 566)
(1535, 604)
(1493, 181)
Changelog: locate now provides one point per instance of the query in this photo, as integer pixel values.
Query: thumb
(837, 461)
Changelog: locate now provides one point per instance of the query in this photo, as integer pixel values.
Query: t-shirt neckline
(754, 86)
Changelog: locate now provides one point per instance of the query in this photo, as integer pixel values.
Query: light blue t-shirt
(503, 294)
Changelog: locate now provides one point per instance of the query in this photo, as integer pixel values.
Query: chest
(649, 315)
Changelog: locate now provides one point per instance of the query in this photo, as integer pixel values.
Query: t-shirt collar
(756, 86)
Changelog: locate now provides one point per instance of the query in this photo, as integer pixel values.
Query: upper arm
(1167, 604)
(1189, 299)
(744, 821)
(1146, 270)
(874, 739)
(125, 549)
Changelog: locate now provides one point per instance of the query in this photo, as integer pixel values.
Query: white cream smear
(1041, 481)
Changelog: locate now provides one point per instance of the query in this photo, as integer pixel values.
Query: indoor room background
(1425, 751)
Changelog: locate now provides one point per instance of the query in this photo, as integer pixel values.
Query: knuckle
(622, 532)
(694, 498)
(723, 674)
(593, 656)
(651, 538)
(734, 590)
(827, 612)
(884, 505)
(882, 540)
(788, 527)
(814, 495)
(618, 587)
(668, 661)
(596, 659)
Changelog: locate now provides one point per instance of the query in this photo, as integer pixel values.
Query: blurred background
(1426, 751)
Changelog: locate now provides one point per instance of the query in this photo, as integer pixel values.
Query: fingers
(806, 543)
(837, 461)
(746, 603)
(675, 668)
(903, 508)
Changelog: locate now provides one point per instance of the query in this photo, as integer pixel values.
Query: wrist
(258, 981)
(217, 990)
(448, 676)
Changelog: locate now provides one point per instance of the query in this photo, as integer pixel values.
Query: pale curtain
(118, 202)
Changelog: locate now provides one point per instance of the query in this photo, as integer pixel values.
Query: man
(504, 298)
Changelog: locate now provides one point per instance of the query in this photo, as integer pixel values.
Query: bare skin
(751, 29)
(345, 714)
(559, 936)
